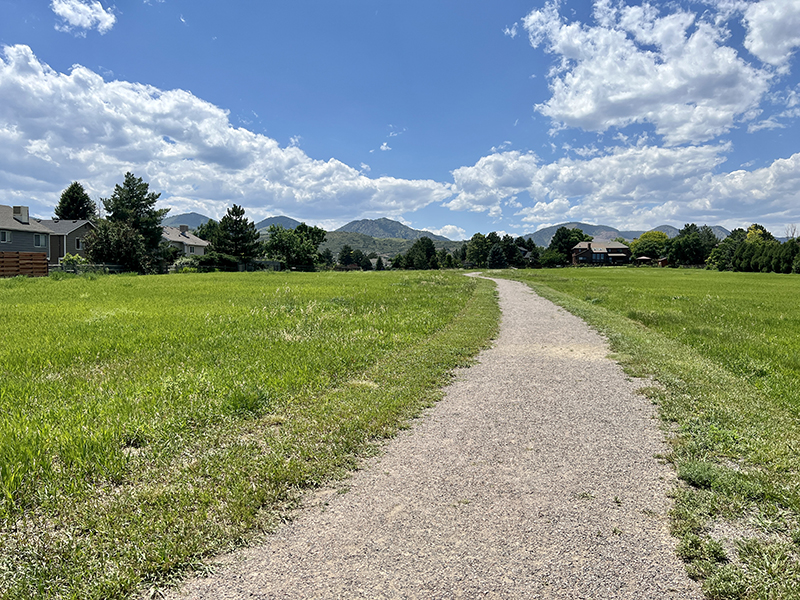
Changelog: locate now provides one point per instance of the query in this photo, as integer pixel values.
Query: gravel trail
(535, 477)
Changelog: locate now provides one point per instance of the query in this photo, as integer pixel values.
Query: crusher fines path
(534, 477)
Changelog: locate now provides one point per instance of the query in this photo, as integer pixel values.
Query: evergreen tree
(131, 233)
(562, 243)
(722, 257)
(133, 203)
(496, 258)
(209, 231)
(238, 236)
(422, 255)
(379, 266)
(477, 250)
(346, 255)
(75, 204)
(327, 257)
(511, 251)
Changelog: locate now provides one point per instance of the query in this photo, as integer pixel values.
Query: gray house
(188, 243)
(67, 237)
(20, 233)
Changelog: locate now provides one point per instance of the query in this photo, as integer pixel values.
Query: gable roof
(600, 246)
(7, 221)
(174, 234)
(64, 226)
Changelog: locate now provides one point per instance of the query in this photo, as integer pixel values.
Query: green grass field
(149, 422)
(725, 351)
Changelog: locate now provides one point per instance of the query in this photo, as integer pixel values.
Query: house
(67, 237)
(600, 253)
(188, 243)
(20, 233)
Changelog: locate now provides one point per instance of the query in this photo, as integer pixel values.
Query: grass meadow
(149, 422)
(724, 349)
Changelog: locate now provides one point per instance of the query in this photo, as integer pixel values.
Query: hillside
(386, 228)
(192, 219)
(285, 222)
(334, 240)
(604, 233)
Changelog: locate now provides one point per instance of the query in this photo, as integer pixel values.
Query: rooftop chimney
(21, 214)
(184, 228)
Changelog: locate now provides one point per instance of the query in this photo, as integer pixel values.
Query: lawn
(149, 422)
(724, 349)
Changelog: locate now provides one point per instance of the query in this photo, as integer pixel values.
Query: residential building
(600, 253)
(68, 237)
(188, 243)
(20, 233)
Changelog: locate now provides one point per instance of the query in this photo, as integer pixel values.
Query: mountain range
(363, 234)
(386, 228)
(606, 233)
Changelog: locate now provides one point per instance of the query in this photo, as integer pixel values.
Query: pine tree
(496, 258)
(238, 235)
(134, 204)
(75, 204)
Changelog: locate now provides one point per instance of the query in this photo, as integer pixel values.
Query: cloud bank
(635, 67)
(56, 128)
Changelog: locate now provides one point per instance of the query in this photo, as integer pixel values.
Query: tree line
(130, 235)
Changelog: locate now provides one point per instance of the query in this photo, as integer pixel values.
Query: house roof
(615, 245)
(7, 221)
(600, 247)
(174, 234)
(64, 226)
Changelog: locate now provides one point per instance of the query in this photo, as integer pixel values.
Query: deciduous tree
(651, 244)
(296, 248)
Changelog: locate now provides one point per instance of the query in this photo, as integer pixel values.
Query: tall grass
(725, 349)
(147, 422)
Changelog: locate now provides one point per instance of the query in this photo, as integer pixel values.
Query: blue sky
(452, 116)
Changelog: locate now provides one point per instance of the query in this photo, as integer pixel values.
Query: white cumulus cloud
(451, 232)
(773, 31)
(631, 187)
(635, 65)
(82, 15)
(56, 128)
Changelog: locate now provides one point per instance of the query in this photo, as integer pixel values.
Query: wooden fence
(33, 264)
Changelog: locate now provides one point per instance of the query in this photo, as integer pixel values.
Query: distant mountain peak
(386, 228)
(192, 219)
(285, 222)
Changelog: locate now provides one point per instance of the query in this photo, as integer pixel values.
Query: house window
(77, 243)
(5, 237)
(191, 249)
(40, 240)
